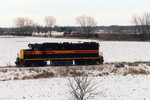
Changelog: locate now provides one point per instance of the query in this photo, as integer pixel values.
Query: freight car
(86, 53)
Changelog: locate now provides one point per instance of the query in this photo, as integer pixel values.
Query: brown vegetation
(94, 71)
(134, 71)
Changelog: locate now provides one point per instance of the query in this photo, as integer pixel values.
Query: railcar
(86, 53)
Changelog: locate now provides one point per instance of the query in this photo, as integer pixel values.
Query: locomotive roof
(36, 45)
(63, 43)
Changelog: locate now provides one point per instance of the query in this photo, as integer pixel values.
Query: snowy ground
(112, 51)
(112, 83)
(124, 81)
(109, 87)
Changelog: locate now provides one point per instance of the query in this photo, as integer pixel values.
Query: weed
(121, 65)
(114, 70)
(125, 73)
(44, 75)
(4, 70)
(137, 72)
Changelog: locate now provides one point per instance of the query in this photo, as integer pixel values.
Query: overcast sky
(105, 12)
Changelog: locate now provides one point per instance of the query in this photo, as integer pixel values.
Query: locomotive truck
(86, 53)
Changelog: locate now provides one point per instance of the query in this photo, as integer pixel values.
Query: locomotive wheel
(79, 62)
(27, 64)
(20, 63)
(38, 63)
(61, 63)
(92, 62)
(101, 60)
(32, 63)
(86, 62)
(17, 62)
(43, 63)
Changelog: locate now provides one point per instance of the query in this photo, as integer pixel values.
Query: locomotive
(86, 53)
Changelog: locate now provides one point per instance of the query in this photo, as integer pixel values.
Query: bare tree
(82, 88)
(24, 25)
(142, 23)
(50, 21)
(87, 23)
(23, 21)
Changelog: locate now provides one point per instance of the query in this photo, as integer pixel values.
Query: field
(118, 78)
(112, 51)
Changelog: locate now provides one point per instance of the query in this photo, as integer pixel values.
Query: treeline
(37, 29)
(102, 32)
(118, 37)
(68, 29)
(87, 27)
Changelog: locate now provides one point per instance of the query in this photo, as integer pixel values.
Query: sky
(105, 12)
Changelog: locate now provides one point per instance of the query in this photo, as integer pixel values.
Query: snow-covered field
(114, 82)
(109, 87)
(112, 51)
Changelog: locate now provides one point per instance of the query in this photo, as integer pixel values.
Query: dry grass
(77, 72)
(125, 73)
(120, 65)
(134, 71)
(44, 75)
(63, 72)
(100, 68)
(114, 70)
(38, 76)
(4, 70)
(37, 70)
(16, 78)
(103, 74)
(26, 77)
(44, 72)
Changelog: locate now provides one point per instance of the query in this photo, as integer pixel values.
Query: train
(60, 54)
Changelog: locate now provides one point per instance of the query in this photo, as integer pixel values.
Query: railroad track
(104, 64)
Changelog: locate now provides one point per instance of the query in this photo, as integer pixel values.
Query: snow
(113, 51)
(42, 89)
(109, 87)
(111, 81)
